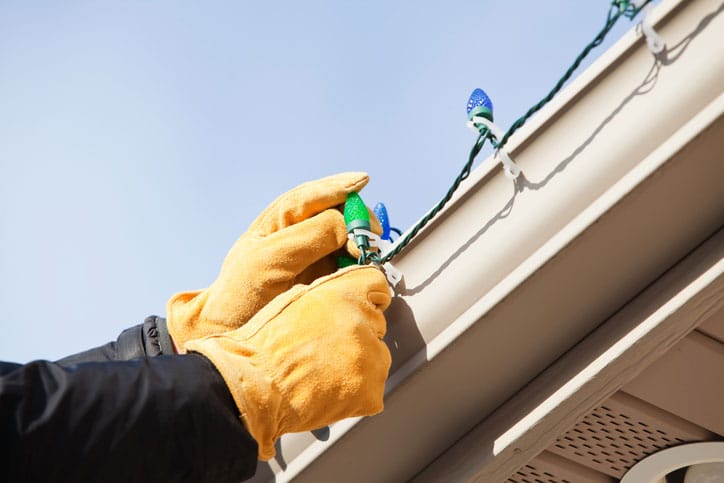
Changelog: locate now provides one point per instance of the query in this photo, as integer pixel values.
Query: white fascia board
(622, 177)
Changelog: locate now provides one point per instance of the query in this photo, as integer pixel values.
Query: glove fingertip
(354, 180)
(381, 299)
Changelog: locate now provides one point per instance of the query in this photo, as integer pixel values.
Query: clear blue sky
(138, 139)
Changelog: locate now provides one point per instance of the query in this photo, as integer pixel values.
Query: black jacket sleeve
(149, 339)
(165, 418)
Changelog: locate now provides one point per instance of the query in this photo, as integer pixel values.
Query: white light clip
(511, 170)
(654, 41)
(394, 274)
(374, 238)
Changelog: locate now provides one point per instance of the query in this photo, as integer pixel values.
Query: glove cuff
(183, 312)
(257, 398)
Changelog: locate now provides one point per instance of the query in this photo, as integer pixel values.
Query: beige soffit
(621, 179)
(606, 443)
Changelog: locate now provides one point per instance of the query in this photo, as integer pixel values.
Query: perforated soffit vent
(613, 437)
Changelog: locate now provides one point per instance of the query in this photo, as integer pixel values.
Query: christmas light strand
(618, 8)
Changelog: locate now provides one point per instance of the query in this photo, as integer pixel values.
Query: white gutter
(622, 177)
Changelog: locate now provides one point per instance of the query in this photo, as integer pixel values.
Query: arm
(167, 418)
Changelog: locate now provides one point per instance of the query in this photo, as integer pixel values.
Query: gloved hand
(312, 356)
(294, 240)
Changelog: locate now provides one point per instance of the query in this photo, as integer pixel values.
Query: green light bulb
(355, 213)
(356, 217)
(346, 261)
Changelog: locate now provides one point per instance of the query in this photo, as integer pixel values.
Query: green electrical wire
(464, 173)
(618, 9)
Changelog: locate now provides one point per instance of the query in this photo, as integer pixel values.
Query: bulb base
(360, 240)
(481, 111)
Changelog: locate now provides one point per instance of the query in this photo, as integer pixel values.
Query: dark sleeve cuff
(149, 339)
(164, 337)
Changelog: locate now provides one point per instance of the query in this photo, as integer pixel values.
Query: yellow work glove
(294, 240)
(312, 356)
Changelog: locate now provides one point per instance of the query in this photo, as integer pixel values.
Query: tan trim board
(714, 328)
(688, 381)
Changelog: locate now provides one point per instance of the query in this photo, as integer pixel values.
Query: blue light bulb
(479, 104)
(380, 211)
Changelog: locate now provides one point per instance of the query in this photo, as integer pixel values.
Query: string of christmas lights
(480, 117)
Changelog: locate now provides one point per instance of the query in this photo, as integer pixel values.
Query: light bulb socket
(358, 224)
(360, 240)
(481, 111)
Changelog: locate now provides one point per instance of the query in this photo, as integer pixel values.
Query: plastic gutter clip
(394, 274)
(373, 239)
(511, 169)
(480, 116)
(654, 41)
